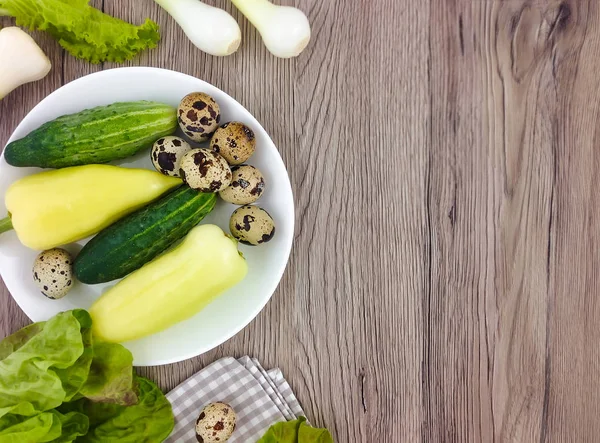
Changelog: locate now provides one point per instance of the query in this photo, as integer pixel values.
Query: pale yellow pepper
(170, 289)
(61, 206)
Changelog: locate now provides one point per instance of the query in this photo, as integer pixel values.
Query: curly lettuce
(82, 30)
(295, 431)
(46, 368)
(58, 384)
(51, 426)
(149, 420)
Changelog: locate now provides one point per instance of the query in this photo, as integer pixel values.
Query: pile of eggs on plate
(219, 167)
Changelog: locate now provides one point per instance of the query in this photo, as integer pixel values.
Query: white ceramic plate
(229, 313)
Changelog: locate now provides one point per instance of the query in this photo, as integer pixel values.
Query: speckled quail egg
(215, 423)
(234, 141)
(53, 273)
(167, 153)
(198, 116)
(252, 225)
(205, 170)
(247, 185)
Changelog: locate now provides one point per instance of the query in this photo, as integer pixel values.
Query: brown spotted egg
(198, 115)
(215, 423)
(53, 273)
(252, 225)
(167, 153)
(234, 141)
(247, 185)
(205, 170)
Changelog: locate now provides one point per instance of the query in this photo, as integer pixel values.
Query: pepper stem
(5, 225)
(236, 243)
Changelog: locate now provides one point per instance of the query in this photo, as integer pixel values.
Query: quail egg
(247, 185)
(198, 116)
(205, 170)
(234, 141)
(167, 153)
(53, 273)
(252, 225)
(215, 423)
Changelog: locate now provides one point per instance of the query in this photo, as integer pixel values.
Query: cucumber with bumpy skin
(139, 237)
(97, 135)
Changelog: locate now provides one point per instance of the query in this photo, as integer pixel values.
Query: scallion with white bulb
(285, 30)
(21, 60)
(210, 29)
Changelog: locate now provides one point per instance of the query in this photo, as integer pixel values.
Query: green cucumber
(139, 237)
(97, 135)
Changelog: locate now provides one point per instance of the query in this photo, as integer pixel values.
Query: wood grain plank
(505, 78)
(395, 263)
(329, 325)
(572, 379)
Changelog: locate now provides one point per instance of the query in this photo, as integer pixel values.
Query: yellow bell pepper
(170, 289)
(61, 206)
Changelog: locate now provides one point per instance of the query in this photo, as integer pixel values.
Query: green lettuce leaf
(51, 426)
(59, 385)
(308, 434)
(82, 30)
(39, 428)
(43, 357)
(110, 377)
(296, 431)
(150, 420)
(74, 377)
(73, 425)
(13, 342)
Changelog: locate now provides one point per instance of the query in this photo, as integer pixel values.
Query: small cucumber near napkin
(296, 431)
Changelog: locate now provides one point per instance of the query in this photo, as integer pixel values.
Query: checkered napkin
(260, 399)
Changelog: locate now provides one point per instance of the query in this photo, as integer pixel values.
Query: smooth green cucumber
(139, 237)
(97, 135)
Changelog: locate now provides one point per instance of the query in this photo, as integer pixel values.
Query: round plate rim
(290, 219)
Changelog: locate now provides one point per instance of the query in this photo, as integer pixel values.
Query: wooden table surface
(445, 161)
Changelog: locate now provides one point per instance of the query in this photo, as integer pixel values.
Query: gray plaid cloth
(260, 399)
